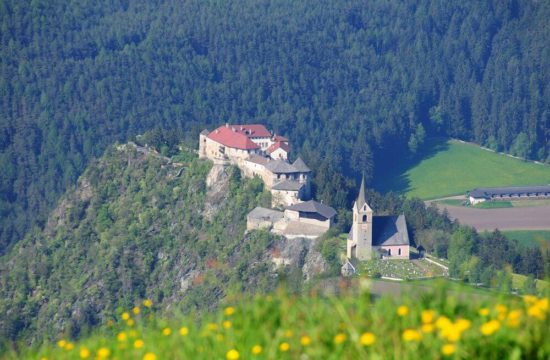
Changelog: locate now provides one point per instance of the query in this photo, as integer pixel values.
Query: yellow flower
(125, 316)
(536, 312)
(84, 352)
(166, 331)
(305, 340)
(443, 322)
(339, 338)
(514, 318)
(229, 311)
(483, 311)
(530, 299)
(451, 333)
(427, 316)
(232, 355)
(149, 356)
(427, 328)
(138, 344)
(226, 324)
(103, 353)
(184, 331)
(463, 324)
(411, 335)
(402, 310)
(130, 322)
(212, 327)
(490, 327)
(501, 309)
(289, 333)
(121, 336)
(542, 304)
(448, 349)
(147, 303)
(367, 339)
(284, 347)
(136, 310)
(257, 350)
(61, 343)
(69, 346)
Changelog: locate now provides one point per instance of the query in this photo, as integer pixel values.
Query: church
(374, 237)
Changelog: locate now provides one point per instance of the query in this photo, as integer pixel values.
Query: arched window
(364, 218)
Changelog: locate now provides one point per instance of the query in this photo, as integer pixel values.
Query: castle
(258, 152)
(376, 236)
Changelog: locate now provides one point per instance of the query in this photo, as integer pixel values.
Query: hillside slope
(137, 226)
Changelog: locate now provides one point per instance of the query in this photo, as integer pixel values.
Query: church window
(389, 252)
(399, 251)
(364, 218)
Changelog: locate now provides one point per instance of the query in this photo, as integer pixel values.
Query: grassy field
(493, 205)
(442, 325)
(451, 168)
(530, 237)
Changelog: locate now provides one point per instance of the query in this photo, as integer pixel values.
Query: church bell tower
(360, 240)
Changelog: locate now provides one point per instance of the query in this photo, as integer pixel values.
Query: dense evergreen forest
(352, 83)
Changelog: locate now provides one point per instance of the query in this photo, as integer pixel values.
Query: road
(521, 218)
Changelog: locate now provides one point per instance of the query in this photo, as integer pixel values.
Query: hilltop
(139, 224)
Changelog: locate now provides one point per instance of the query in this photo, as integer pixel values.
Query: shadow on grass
(390, 173)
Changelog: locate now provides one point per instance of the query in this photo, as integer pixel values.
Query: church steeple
(361, 197)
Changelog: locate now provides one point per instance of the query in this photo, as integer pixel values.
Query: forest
(352, 83)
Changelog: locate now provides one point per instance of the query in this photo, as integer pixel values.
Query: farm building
(479, 195)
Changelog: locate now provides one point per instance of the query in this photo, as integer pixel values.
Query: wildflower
(411, 335)
(427, 328)
(402, 310)
(212, 327)
(226, 324)
(289, 333)
(305, 340)
(61, 343)
(530, 299)
(184, 331)
(130, 322)
(147, 303)
(149, 356)
(84, 353)
(451, 333)
(536, 312)
(427, 316)
(284, 347)
(339, 338)
(448, 349)
(257, 350)
(463, 324)
(514, 318)
(367, 339)
(229, 311)
(483, 311)
(121, 336)
(125, 316)
(136, 310)
(490, 327)
(443, 322)
(501, 309)
(138, 344)
(103, 353)
(232, 355)
(166, 331)
(69, 346)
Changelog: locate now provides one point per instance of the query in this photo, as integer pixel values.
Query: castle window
(364, 218)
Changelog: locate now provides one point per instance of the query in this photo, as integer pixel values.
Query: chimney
(226, 125)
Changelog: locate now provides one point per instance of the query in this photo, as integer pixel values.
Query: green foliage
(352, 79)
(330, 246)
(494, 205)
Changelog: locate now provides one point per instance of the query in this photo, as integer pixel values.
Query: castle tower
(359, 243)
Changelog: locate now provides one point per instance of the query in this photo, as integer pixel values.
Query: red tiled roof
(252, 130)
(230, 138)
(280, 138)
(277, 145)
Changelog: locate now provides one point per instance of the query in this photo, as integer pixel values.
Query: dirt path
(525, 218)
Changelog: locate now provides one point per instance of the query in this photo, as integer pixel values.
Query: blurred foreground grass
(437, 324)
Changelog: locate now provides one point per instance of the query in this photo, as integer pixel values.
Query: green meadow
(530, 237)
(449, 167)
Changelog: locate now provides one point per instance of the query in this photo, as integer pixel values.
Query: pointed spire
(361, 198)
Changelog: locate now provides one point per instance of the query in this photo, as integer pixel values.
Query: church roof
(313, 206)
(300, 165)
(389, 230)
(288, 185)
(252, 130)
(361, 197)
